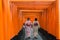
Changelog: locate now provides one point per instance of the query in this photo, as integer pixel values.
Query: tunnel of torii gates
(13, 13)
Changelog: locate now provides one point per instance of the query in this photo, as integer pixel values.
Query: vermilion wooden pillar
(57, 21)
(1, 22)
(7, 20)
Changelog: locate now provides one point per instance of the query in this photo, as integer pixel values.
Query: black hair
(35, 19)
(28, 18)
(23, 23)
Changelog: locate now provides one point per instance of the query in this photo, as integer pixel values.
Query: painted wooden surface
(10, 21)
(1, 22)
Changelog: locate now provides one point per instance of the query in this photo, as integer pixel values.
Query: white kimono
(35, 28)
(28, 27)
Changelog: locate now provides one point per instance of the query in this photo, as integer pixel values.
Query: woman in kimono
(28, 27)
(35, 28)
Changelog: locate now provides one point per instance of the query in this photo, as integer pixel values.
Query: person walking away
(35, 28)
(28, 26)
